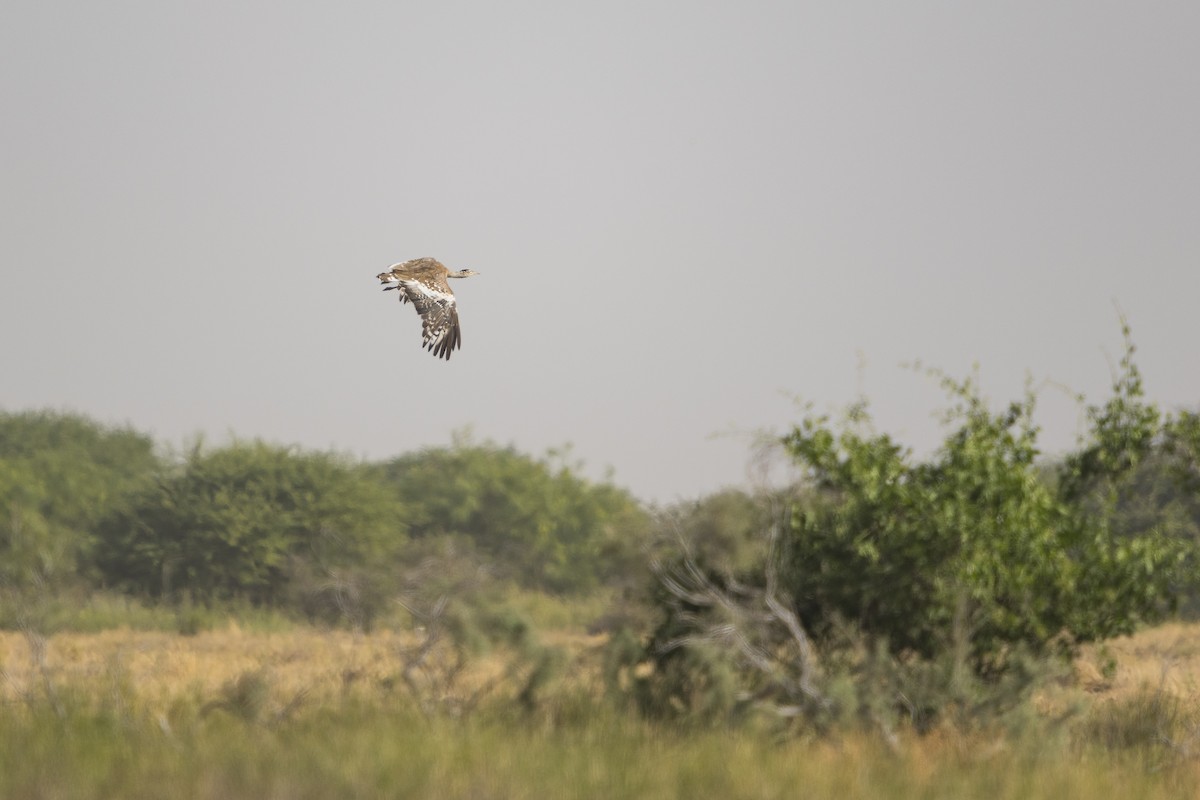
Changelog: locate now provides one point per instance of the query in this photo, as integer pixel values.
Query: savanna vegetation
(258, 620)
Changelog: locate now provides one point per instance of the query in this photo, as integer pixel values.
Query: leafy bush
(930, 581)
(232, 523)
(538, 521)
(975, 537)
(900, 549)
(59, 474)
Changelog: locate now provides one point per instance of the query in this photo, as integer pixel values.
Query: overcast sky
(684, 214)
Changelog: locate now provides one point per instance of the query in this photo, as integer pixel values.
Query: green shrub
(537, 520)
(232, 523)
(59, 474)
(933, 586)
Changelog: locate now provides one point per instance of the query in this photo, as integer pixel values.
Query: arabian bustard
(422, 282)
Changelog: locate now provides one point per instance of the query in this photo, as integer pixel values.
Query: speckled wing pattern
(440, 332)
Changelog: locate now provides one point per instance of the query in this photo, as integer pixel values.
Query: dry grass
(325, 664)
(162, 666)
(165, 667)
(1167, 656)
(354, 737)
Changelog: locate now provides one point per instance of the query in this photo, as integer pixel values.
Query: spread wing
(440, 332)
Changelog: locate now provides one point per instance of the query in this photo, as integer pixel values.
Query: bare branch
(747, 618)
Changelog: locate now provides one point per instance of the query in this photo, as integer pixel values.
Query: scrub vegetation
(252, 620)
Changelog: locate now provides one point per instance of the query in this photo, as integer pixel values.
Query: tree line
(879, 584)
(88, 505)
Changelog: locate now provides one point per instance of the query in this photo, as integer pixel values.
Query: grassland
(303, 713)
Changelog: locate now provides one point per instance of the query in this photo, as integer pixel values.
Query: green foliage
(59, 474)
(234, 521)
(1138, 476)
(1181, 445)
(1154, 499)
(975, 539)
(724, 529)
(931, 588)
(94, 507)
(558, 612)
(1123, 433)
(538, 520)
(30, 549)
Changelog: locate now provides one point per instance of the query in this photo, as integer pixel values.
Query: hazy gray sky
(683, 213)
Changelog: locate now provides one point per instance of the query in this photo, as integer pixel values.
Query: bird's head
(462, 273)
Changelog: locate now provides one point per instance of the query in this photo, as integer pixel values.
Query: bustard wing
(434, 301)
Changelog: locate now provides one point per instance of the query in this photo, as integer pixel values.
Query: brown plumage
(423, 283)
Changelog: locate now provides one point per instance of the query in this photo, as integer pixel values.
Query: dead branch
(748, 619)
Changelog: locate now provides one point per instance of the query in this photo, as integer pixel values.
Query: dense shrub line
(880, 588)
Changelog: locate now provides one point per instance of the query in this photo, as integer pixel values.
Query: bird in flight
(423, 283)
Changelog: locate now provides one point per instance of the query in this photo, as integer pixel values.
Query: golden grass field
(327, 663)
(164, 668)
(352, 737)
(1167, 656)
